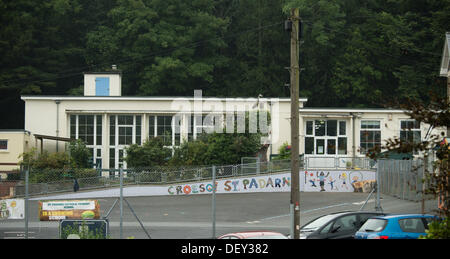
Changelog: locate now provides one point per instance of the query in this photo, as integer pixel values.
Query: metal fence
(320, 162)
(404, 179)
(62, 180)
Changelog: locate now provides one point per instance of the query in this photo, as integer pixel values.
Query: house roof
(445, 62)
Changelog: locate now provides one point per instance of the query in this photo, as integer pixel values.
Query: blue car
(405, 226)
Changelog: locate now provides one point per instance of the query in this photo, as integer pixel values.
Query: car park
(404, 226)
(254, 235)
(341, 225)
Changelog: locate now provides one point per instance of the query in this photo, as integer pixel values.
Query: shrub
(151, 153)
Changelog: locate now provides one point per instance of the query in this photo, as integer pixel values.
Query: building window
(124, 130)
(3, 144)
(410, 131)
(89, 129)
(325, 137)
(167, 127)
(370, 135)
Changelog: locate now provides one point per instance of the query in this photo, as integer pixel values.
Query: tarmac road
(190, 217)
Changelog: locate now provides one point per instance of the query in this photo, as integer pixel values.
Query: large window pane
(342, 146)
(331, 147)
(342, 128)
(320, 128)
(138, 130)
(152, 125)
(309, 127)
(98, 129)
(331, 127)
(309, 145)
(112, 130)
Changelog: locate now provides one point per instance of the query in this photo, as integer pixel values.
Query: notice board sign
(68, 209)
(12, 209)
(84, 229)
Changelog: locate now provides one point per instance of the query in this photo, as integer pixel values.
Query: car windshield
(268, 237)
(317, 223)
(373, 225)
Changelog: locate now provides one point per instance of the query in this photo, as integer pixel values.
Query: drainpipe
(353, 139)
(57, 122)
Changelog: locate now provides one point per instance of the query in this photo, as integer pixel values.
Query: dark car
(254, 235)
(341, 225)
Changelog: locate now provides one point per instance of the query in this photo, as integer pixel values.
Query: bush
(216, 149)
(79, 154)
(284, 152)
(151, 153)
(439, 229)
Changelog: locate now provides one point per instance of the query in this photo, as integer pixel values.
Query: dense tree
(353, 53)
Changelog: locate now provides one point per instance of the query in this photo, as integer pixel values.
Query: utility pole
(293, 25)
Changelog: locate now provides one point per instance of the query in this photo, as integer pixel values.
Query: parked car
(254, 235)
(405, 226)
(341, 225)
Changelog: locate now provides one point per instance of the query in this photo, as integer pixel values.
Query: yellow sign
(74, 209)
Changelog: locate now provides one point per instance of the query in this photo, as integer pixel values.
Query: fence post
(121, 202)
(26, 201)
(213, 202)
(378, 205)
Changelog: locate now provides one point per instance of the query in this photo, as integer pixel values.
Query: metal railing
(62, 180)
(105, 178)
(321, 162)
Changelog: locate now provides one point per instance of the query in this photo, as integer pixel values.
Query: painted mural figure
(331, 183)
(343, 176)
(322, 177)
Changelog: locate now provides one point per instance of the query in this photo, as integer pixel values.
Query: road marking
(311, 210)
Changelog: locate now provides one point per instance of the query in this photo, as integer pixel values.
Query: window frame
(364, 149)
(4, 149)
(97, 135)
(339, 139)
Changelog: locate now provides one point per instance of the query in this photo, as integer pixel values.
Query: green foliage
(151, 153)
(439, 229)
(45, 160)
(48, 167)
(354, 53)
(284, 152)
(79, 154)
(82, 232)
(217, 149)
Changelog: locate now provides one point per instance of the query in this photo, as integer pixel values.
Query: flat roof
(351, 110)
(14, 131)
(154, 98)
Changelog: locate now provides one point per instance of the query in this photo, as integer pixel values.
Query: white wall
(115, 83)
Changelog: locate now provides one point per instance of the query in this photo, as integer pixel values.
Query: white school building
(108, 122)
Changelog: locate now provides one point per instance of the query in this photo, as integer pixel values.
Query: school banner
(68, 209)
(12, 209)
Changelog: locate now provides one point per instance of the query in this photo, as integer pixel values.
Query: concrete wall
(115, 83)
(18, 143)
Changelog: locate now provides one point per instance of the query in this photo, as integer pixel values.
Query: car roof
(354, 212)
(247, 234)
(393, 216)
